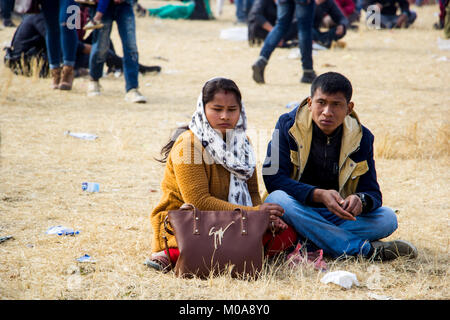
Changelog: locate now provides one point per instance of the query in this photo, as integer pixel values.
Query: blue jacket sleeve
(277, 167)
(102, 5)
(368, 183)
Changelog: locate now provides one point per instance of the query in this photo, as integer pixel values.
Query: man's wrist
(363, 198)
(315, 195)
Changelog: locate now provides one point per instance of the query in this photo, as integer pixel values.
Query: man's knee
(277, 196)
(387, 220)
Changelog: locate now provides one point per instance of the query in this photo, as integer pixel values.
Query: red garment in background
(347, 6)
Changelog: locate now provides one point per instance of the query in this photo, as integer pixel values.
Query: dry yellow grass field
(401, 93)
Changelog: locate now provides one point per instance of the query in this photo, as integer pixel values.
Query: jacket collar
(301, 131)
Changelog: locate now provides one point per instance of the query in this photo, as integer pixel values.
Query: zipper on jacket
(298, 151)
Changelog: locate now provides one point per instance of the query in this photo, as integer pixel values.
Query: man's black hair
(332, 82)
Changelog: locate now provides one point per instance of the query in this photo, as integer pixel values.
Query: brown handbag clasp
(244, 221)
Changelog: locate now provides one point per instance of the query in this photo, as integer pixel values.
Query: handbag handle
(195, 211)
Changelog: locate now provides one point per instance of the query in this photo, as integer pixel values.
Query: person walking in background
(61, 40)
(96, 21)
(262, 19)
(122, 12)
(243, 8)
(7, 7)
(303, 11)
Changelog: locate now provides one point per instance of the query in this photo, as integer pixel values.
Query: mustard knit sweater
(191, 176)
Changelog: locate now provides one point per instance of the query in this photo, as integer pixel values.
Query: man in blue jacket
(320, 169)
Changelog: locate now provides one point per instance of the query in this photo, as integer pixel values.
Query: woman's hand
(275, 212)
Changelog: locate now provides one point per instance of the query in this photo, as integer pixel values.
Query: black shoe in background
(258, 70)
(9, 23)
(308, 76)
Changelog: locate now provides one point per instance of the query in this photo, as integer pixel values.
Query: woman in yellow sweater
(211, 164)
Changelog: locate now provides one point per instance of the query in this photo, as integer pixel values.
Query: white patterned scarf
(236, 154)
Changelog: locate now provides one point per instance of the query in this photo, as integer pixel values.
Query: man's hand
(353, 204)
(333, 201)
(339, 30)
(401, 20)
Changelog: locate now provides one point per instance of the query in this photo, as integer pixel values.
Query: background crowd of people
(66, 52)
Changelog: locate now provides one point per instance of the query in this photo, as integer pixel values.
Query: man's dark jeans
(7, 7)
(304, 13)
(124, 16)
(327, 37)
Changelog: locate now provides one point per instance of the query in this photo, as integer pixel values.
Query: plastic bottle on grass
(90, 186)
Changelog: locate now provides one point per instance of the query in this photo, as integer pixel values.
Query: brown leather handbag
(217, 242)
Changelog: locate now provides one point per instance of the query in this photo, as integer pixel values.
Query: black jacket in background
(390, 6)
(262, 11)
(29, 34)
(329, 7)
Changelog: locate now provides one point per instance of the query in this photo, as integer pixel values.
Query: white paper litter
(86, 258)
(379, 297)
(234, 34)
(79, 135)
(443, 44)
(343, 278)
(61, 230)
(317, 46)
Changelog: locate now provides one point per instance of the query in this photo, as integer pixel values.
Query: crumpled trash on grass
(234, 34)
(3, 239)
(81, 135)
(379, 297)
(90, 186)
(86, 258)
(443, 44)
(342, 278)
(299, 256)
(62, 231)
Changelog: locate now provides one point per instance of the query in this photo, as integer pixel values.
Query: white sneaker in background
(135, 96)
(93, 88)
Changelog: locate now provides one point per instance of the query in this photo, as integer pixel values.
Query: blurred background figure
(7, 7)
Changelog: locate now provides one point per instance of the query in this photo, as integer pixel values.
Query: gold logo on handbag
(218, 235)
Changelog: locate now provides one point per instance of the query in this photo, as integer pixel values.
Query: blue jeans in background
(389, 21)
(325, 38)
(243, 8)
(7, 7)
(124, 16)
(303, 11)
(61, 41)
(336, 236)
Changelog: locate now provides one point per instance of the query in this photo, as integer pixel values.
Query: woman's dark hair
(333, 82)
(210, 88)
(220, 84)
